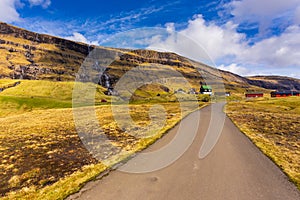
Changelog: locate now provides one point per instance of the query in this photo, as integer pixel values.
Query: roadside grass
(43, 156)
(273, 125)
(62, 188)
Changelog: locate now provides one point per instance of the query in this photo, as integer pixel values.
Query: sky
(247, 37)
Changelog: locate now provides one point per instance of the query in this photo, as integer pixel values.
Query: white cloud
(78, 37)
(277, 51)
(231, 51)
(263, 12)
(170, 27)
(8, 12)
(125, 20)
(235, 68)
(43, 3)
(218, 42)
(265, 8)
(297, 16)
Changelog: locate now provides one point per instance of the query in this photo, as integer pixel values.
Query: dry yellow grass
(4, 83)
(43, 157)
(273, 125)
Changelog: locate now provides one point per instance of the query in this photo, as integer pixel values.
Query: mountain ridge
(34, 56)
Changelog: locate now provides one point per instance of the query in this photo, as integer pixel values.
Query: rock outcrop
(29, 55)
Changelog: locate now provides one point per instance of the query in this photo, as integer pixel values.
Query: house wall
(254, 95)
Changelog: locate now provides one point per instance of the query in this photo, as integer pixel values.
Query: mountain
(34, 56)
(275, 82)
(29, 55)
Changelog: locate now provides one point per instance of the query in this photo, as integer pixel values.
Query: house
(254, 95)
(281, 94)
(284, 93)
(226, 94)
(192, 91)
(180, 91)
(206, 89)
(296, 94)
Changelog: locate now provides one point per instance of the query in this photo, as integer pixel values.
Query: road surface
(234, 169)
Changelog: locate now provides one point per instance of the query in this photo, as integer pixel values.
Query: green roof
(206, 87)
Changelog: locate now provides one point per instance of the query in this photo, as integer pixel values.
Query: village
(204, 89)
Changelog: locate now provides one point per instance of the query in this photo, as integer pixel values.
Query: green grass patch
(49, 89)
(13, 105)
(39, 94)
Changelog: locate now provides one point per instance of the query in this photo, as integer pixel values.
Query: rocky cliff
(29, 55)
(275, 82)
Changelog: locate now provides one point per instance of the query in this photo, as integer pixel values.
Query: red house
(281, 94)
(284, 94)
(254, 95)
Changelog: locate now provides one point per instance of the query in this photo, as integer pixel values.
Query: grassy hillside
(5, 83)
(28, 55)
(273, 125)
(38, 94)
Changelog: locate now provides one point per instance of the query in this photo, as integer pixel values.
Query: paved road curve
(235, 169)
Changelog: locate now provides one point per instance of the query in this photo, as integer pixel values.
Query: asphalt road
(234, 169)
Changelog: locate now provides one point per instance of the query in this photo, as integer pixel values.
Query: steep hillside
(33, 56)
(275, 82)
(28, 55)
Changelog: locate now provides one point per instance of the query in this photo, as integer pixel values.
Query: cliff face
(29, 55)
(36, 38)
(275, 82)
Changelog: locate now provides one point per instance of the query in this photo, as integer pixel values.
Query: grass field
(273, 125)
(42, 154)
(34, 95)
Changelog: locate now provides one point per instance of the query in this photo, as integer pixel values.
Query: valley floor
(234, 169)
(43, 155)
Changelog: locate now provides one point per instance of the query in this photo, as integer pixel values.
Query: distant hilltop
(280, 83)
(34, 56)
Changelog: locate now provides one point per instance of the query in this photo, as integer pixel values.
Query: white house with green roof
(206, 89)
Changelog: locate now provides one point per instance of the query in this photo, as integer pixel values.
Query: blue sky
(247, 37)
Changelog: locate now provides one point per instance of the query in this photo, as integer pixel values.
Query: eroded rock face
(29, 55)
(275, 82)
(6, 29)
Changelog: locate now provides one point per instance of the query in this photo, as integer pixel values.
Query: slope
(33, 56)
